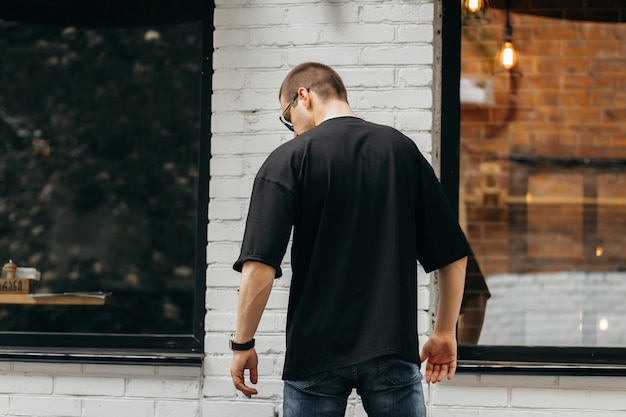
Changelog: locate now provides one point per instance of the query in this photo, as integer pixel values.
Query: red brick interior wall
(557, 134)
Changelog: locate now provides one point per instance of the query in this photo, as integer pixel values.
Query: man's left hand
(243, 360)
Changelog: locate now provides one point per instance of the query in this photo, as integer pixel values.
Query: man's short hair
(320, 78)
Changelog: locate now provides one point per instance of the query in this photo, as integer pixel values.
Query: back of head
(320, 78)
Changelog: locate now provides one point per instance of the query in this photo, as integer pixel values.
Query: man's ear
(304, 95)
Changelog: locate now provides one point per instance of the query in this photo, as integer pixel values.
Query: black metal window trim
(542, 360)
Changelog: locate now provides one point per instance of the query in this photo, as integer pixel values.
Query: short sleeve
(440, 240)
(268, 226)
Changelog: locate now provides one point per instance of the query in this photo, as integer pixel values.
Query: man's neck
(333, 109)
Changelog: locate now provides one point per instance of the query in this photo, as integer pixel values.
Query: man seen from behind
(365, 207)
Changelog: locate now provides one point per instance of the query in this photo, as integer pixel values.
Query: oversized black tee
(364, 205)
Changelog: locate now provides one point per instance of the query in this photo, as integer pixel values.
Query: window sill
(542, 360)
(102, 356)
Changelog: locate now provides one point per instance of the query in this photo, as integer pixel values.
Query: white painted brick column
(384, 52)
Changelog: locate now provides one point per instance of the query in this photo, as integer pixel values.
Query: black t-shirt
(365, 205)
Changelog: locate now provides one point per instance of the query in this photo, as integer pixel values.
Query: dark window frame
(528, 360)
(163, 349)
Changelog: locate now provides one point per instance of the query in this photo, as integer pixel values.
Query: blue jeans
(388, 386)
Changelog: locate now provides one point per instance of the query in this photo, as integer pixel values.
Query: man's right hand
(439, 352)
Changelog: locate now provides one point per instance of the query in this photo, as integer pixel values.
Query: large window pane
(543, 179)
(99, 137)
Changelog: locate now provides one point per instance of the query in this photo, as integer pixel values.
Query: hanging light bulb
(475, 12)
(507, 57)
(473, 5)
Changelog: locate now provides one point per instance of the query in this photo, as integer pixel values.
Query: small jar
(9, 270)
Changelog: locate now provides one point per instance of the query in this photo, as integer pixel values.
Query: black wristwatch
(239, 346)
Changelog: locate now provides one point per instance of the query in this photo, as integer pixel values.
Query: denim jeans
(388, 387)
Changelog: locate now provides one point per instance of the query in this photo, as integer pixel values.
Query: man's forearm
(256, 284)
(451, 286)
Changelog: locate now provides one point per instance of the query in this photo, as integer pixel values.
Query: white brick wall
(64, 390)
(384, 51)
(529, 396)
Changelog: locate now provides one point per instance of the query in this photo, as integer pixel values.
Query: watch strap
(240, 346)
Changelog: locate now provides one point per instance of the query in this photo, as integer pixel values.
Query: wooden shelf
(51, 299)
